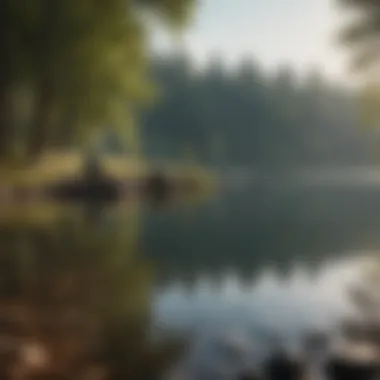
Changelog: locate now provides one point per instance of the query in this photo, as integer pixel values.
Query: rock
(351, 361)
(250, 374)
(157, 186)
(281, 365)
(345, 369)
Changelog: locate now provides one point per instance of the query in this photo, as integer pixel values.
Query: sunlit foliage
(79, 65)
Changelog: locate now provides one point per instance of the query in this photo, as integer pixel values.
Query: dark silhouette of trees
(248, 117)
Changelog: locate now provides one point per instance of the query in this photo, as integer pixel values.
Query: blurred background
(182, 180)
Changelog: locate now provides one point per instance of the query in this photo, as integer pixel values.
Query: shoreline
(127, 176)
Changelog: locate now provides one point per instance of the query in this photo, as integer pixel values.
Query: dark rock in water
(157, 186)
(85, 191)
(353, 331)
(351, 361)
(94, 185)
(249, 375)
(344, 369)
(365, 332)
(281, 365)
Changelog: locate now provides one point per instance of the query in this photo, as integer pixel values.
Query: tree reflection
(75, 301)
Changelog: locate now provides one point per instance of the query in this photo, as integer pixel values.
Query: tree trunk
(5, 78)
(65, 128)
(44, 105)
(41, 122)
(5, 118)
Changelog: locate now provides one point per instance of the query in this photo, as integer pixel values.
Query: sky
(300, 33)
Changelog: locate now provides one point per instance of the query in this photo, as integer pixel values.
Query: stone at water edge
(281, 365)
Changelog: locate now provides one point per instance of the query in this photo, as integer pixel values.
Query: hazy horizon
(301, 34)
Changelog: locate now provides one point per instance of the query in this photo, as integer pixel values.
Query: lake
(120, 290)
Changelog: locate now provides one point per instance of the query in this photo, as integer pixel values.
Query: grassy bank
(56, 166)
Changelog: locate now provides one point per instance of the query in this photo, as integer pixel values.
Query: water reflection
(262, 260)
(75, 300)
(264, 228)
(109, 292)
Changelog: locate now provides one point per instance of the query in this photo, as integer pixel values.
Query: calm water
(123, 290)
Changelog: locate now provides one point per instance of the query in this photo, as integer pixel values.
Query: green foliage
(172, 12)
(362, 36)
(85, 62)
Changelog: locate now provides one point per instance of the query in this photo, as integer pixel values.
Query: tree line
(250, 116)
(247, 116)
(71, 70)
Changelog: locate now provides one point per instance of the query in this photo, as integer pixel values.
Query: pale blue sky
(296, 32)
